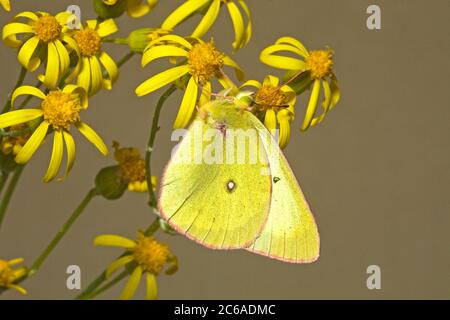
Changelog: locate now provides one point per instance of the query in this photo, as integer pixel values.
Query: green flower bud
(107, 9)
(140, 38)
(109, 183)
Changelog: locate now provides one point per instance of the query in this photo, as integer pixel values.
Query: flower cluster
(72, 65)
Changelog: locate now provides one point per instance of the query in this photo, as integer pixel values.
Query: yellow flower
(43, 33)
(8, 275)
(319, 67)
(13, 144)
(6, 5)
(144, 255)
(242, 33)
(275, 104)
(59, 111)
(92, 57)
(132, 168)
(135, 8)
(202, 63)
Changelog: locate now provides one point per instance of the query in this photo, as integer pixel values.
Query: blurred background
(375, 172)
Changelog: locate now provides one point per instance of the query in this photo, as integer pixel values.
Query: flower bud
(107, 9)
(109, 183)
(140, 38)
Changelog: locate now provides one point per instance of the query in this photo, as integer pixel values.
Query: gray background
(375, 172)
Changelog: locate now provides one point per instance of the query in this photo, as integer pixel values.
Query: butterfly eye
(231, 186)
(276, 179)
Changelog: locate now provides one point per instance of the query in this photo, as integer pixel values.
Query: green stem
(116, 40)
(9, 192)
(125, 59)
(3, 178)
(78, 211)
(23, 73)
(92, 287)
(151, 141)
(110, 284)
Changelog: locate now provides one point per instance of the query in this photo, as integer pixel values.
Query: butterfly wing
(219, 205)
(290, 233)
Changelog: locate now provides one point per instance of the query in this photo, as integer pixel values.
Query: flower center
(47, 28)
(89, 42)
(205, 61)
(132, 166)
(320, 63)
(61, 109)
(270, 97)
(150, 254)
(6, 273)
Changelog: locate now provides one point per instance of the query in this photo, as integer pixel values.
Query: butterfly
(229, 186)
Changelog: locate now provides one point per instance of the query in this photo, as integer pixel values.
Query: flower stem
(151, 141)
(91, 289)
(78, 211)
(3, 178)
(23, 73)
(110, 284)
(125, 59)
(9, 192)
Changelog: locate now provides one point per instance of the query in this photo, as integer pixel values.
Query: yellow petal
(116, 264)
(248, 30)
(18, 288)
(187, 105)
(152, 287)
(271, 81)
(238, 24)
(33, 143)
(161, 51)
(251, 83)
(16, 261)
(26, 53)
(96, 76)
(93, 137)
(106, 28)
(285, 128)
(281, 62)
(72, 44)
(335, 92)
(132, 284)
(84, 77)
(136, 9)
(51, 77)
(206, 94)
(78, 91)
(6, 5)
(10, 31)
(63, 58)
(56, 158)
(182, 12)
(29, 90)
(19, 116)
(270, 121)
(312, 105)
(170, 38)
(325, 104)
(70, 147)
(92, 24)
(161, 79)
(208, 20)
(111, 69)
(63, 18)
(294, 42)
(111, 240)
(231, 63)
